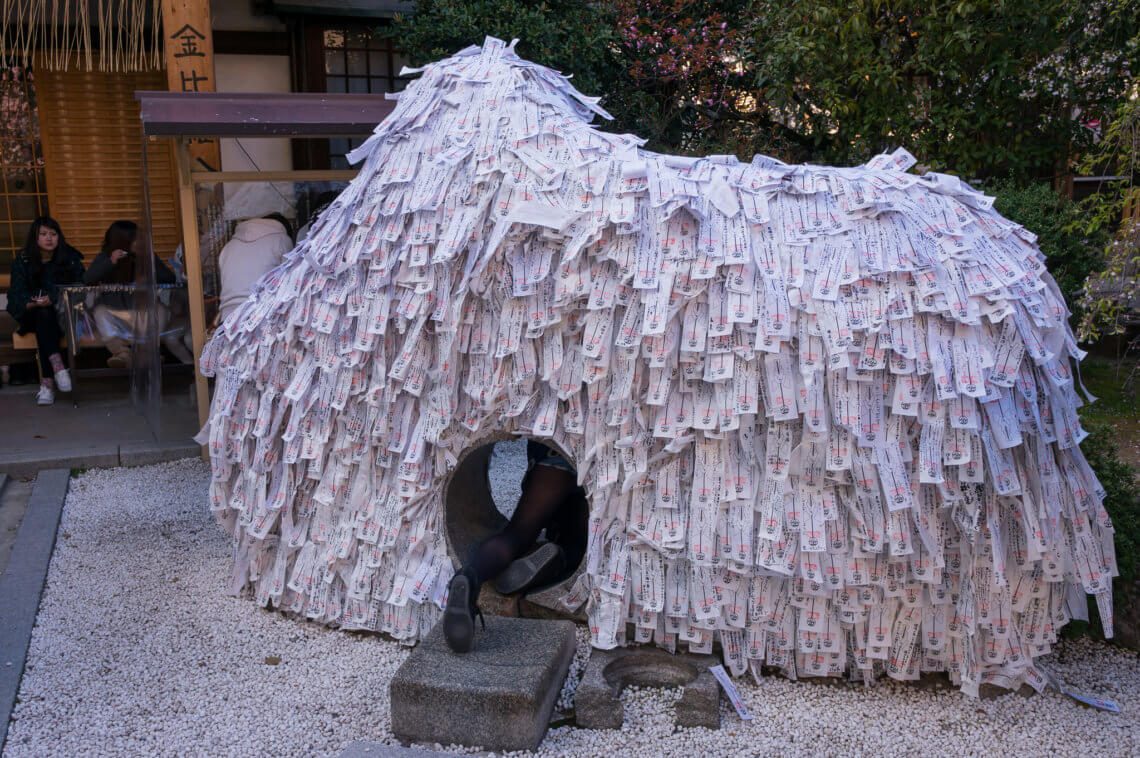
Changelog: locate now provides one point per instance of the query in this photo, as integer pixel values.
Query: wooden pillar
(193, 255)
(190, 65)
(189, 44)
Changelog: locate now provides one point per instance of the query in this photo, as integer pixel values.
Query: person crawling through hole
(551, 500)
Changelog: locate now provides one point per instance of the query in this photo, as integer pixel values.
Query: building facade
(70, 141)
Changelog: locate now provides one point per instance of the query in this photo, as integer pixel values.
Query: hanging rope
(128, 34)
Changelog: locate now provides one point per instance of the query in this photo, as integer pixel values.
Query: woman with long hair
(116, 264)
(44, 264)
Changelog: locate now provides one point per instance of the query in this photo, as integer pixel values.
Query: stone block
(499, 696)
(597, 702)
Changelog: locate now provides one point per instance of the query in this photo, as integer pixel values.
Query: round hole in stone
(649, 668)
(483, 491)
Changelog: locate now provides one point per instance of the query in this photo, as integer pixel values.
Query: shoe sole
(522, 572)
(458, 625)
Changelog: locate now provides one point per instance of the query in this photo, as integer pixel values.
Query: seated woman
(115, 313)
(258, 245)
(551, 500)
(45, 263)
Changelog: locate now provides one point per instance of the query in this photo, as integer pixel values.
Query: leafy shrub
(1123, 505)
(1069, 255)
(579, 39)
(1123, 499)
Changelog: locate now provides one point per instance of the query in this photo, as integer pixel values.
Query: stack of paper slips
(826, 416)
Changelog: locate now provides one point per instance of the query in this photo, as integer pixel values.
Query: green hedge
(1123, 505)
(1069, 255)
(1123, 499)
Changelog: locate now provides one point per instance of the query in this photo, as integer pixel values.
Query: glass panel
(361, 66)
(23, 208)
(19, 180)
(334, 62)
(358, 37)
(378, 64)
(398, 62)
(17, 152)
(357, 63)
(22, 189)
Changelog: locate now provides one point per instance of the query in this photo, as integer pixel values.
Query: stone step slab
(498, 697)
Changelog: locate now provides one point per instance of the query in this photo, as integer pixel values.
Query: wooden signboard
(190, 65)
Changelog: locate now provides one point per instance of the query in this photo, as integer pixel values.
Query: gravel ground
(508, 464)
(138, 651)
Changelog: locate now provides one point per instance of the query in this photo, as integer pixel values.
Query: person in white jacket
(257, 246)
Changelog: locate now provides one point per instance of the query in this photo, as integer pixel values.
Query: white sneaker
(63, 380)
(45, 396)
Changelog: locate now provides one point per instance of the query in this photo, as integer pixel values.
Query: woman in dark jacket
(116, 264)
(45, 263)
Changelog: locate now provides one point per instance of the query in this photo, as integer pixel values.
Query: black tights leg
(547, 490)
(42, 322)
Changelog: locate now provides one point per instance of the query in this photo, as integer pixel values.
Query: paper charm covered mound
(825, 415)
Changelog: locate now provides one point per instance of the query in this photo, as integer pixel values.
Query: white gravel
(138, 651)
(505, 473)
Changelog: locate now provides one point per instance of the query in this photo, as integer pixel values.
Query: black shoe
(538, 568)
(459, 615)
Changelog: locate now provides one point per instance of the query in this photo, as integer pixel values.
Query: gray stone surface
(22, 583)
(105, 429)
(597, 702)
(499, 696)
(376, 750)
(14, 495)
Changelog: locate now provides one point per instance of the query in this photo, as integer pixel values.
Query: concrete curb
(23, 464)
(23, 582)
(126, 454)
(146, 453)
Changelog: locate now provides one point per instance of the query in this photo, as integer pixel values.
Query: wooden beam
(313, 175)
(193, 254)
(260, 114)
